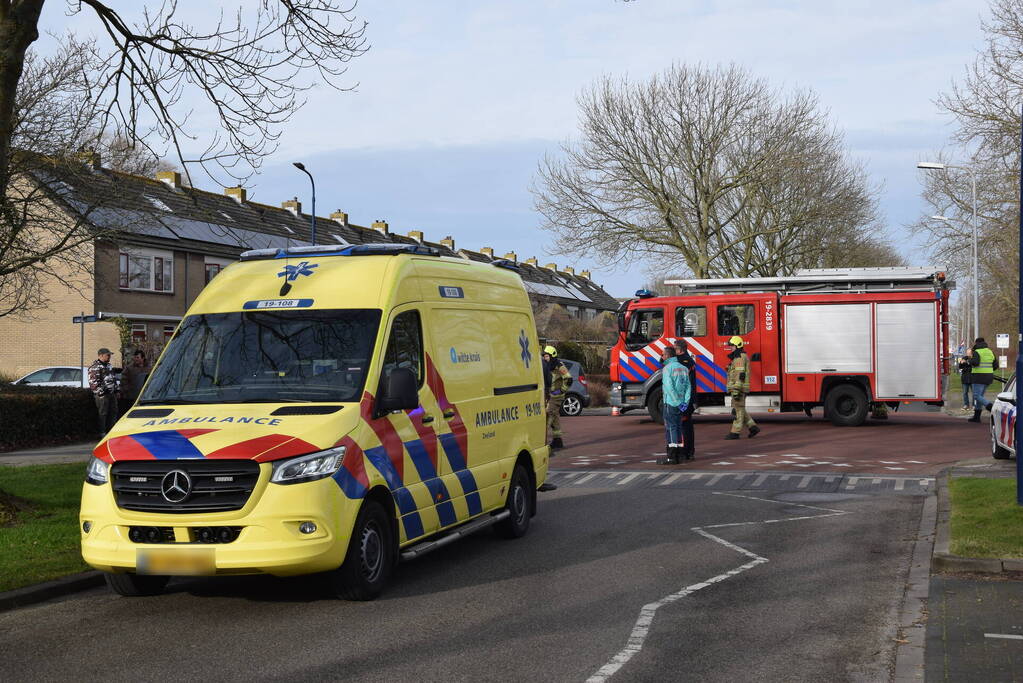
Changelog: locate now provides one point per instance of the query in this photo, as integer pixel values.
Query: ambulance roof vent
(341, 250)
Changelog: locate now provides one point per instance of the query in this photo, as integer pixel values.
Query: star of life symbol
(524, 343)
(291, 273)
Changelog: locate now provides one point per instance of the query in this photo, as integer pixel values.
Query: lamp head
(931, 166)
(940, 218)
(299, 165)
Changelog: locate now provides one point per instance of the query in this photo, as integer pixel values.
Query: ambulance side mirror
(399, 390)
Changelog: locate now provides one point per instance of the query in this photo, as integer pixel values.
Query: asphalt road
(612, 581)
(917, 443)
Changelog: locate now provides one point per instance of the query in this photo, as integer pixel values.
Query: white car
(1003, 422)
(57, 376)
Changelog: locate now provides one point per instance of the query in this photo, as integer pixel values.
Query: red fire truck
(844, 339)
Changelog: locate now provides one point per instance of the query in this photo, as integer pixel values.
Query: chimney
(585, 274)
(448, 242)
(531, 260)
(417, 235)
(487, 251)
(340, 217)
(236, 193)
(551, 266)
(293, 205)
(512, 256)
(91, 159)
(569, 269)
(380, 225)
(171, 178)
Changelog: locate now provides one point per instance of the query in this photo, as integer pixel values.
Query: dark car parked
(578, 396)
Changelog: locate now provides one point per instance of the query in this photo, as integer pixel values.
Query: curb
(41, 592)
(944, 561)
(912, 627)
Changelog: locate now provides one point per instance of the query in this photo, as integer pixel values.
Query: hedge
(40, 416)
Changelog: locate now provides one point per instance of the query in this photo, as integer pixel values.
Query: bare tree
(985, 106)
(145, 87)
(709, 165)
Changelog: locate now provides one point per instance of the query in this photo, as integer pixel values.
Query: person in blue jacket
(676, 395)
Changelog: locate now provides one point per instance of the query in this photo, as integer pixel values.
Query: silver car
(56, 376)
(578, 395)
(1003, 422)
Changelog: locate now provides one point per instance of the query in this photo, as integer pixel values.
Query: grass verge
(986, 521)
(39, 538)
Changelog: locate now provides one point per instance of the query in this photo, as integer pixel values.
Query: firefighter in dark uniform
(738, 389)
(982, 362)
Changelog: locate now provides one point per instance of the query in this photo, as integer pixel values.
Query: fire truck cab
(845, 339)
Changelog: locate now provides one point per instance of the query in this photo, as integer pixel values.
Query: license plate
(175, 561)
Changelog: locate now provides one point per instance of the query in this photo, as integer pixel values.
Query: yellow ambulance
(325, 409)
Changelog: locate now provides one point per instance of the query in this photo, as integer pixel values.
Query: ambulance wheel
(846, 405)
(370, 558)
(519, 504)
(136, 585)
(655, 406)
(997, 451)
(572, 406)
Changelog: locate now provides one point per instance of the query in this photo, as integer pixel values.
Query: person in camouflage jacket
(104, 390)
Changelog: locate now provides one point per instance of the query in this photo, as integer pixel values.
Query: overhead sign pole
(1019, 344)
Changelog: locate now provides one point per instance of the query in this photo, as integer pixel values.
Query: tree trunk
(19, 21)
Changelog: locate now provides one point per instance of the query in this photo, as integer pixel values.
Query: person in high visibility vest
(982, 362)
(738, 388)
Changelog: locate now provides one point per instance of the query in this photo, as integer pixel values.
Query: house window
(168, 332)
(147, 270)
(211, 271)
(138, 332)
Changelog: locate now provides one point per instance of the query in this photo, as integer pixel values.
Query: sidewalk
(49, 455)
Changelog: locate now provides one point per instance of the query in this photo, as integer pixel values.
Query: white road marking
(756, 456)
(889, 462)
(917, 462)
(569, 475)
(589, 476)
(722, 462)
(644, 622)
(670, 479)
(786, 462)
(840, 464)
(895, 468)
(900, 484)
(785, 477)
(713, 480)
(828, 480)
(851, 484)
(1006, 636)
(612, 475)
(925, 482)
(803, 482)
(804, 464)
(760, 480)
(629, 478)
(654, 475)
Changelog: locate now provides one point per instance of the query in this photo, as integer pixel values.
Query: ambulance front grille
(212, 485)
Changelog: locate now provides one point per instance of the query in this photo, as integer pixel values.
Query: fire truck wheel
(997, 451)
(846, 405)
(371, 556)
(655, 406)
(135, 585)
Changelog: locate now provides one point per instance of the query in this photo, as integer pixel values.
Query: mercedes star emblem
(176, 486)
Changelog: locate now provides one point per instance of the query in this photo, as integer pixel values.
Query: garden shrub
(38, 416)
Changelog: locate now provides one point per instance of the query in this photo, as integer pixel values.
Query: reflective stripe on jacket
(738, 366)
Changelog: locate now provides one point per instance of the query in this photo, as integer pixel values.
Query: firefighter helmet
(736, 342)
(550, 351)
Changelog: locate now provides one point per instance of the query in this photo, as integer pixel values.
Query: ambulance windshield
(266, 357)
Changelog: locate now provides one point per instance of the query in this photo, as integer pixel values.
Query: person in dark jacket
(965, 375)
(982, 373)
(104, 389)
(688, 430)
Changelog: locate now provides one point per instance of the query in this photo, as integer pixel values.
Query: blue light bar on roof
(342, 250)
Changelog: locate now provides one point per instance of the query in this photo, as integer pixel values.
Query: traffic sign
(1003, 362)
(83, 319)
(1002, 341)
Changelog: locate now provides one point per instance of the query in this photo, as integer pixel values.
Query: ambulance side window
(405, 346)
(644, 327)
(736, 320)
(691, 321)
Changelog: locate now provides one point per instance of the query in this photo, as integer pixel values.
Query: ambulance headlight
(96, 471)
(308, 467)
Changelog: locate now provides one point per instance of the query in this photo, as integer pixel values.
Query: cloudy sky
(457, 100)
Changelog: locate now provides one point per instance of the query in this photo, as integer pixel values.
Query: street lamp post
(936, 166)
(300, 166)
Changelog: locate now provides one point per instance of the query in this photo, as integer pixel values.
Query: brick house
(166, 241)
